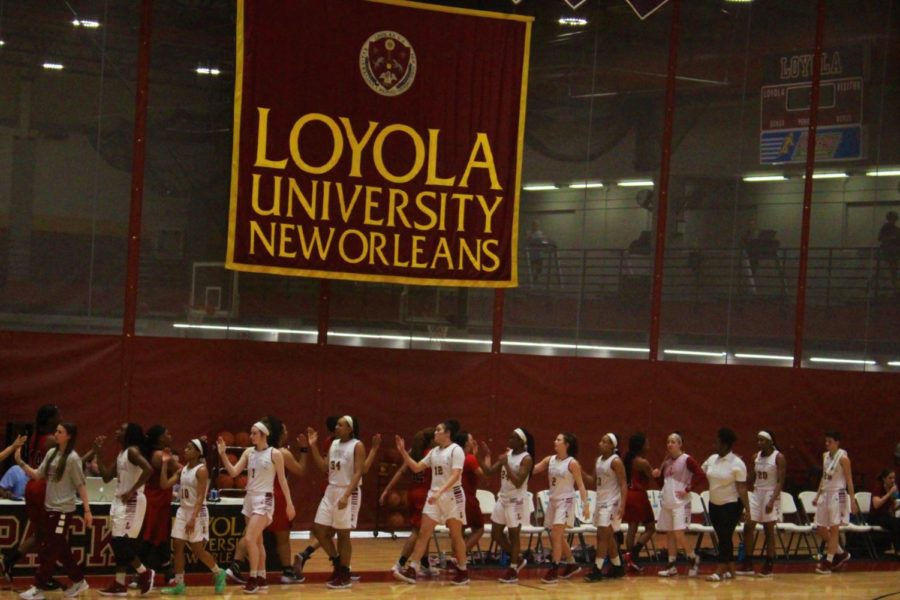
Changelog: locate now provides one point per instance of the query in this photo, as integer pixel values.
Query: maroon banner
(378, 140)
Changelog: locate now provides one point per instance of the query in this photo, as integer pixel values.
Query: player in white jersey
(192, 519)
(612, 491)
(513, 507)
(339, 507)
(126, 513)
(834, 501)
(446, 502)
(564, 474)
(263, 465)
(766, 480)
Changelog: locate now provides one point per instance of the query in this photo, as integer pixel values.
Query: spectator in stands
(889, 238)
(537, 241)
(884, 505)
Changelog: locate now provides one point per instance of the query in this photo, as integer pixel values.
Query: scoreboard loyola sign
(377, 140)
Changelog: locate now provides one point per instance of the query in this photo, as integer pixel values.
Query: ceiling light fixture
(883, 173)
(539, 187)
(758, 178)
(208, 71)
(572, 21)
(86, 23)
(585, 185)
(52, 66)
(635, 183)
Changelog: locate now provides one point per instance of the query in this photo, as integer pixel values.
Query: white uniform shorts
(127, 519)
(674, 519)
(512, 511)
(758, 501)
(330, 515)
(607, 515)
(200, 532)
(452, 505)
(259, 503)
(833, 508)
(560, 511)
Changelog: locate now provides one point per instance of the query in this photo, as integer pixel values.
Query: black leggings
(892, 524)
(724, 518)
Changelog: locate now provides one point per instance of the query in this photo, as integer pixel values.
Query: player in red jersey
(638, 511)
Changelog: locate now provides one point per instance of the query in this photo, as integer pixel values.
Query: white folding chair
(580, 528)
(534, 529)
(698, 510)
(791, 524)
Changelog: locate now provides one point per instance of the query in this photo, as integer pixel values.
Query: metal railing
(835, 276)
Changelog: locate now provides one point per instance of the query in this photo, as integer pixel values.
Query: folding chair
(791, 523)
(704, 527)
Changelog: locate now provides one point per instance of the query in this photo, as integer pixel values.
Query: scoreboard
(785, 99)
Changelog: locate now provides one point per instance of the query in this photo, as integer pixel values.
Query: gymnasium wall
(203, 386)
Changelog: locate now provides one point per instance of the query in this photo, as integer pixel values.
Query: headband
(614, 439)
(765, 434)
(349, 420)
(259, 425)
(518, 431)
(197, 445)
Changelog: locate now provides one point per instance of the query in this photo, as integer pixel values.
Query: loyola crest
(387, 62)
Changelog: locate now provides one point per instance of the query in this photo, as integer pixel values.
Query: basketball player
(446, 502)
(192, 518)
(834, 500)
(157, 531)
(45, 423)
(612, 491)
(679, 472)
(564, 474)
(766, 480)
(264, 464)
(126, 513)
(638, 511)
(417, 494)
(339, 508)
(513, 507)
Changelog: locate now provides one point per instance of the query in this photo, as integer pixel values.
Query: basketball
(392, 455)
(224, 481)
(240, 482)
(232, 458)
(396, 520)
(228, 437)
(394, 500)
(242, 439)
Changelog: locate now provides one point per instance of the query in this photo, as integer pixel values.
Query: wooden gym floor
(374, 557)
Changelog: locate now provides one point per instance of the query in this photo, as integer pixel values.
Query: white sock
(120, 577)
(616, 561)
(829, 557)
(142, 569)
(253, 573)
(598, 562)
(215, 570)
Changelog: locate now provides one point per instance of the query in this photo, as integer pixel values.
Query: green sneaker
(219, 581)
(178, 590)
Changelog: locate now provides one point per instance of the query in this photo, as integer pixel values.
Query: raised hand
(376, 441)
(302, 441)
(401, 443)
(312, 436)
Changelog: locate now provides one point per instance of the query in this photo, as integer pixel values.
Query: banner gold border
(513, 280)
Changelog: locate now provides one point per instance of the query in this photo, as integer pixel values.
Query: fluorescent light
(52, 66)
(208, 71)
(842, 361)
(894, 363)
(539, 187)
(829, 175)
(574, 346)
(2, 42)
(586, 185)
(883, 173)
(86, 23)
(763, 356)
(695, 353)
(636, 183)
(755, 178)
(573, 21)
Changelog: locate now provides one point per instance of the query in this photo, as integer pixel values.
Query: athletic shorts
(158, 517)
(637, 507)
(607, 515)
(560, 511)
(474, 516)
(200, 532)
(512, 512)
(452, 505)
(127, 519)
(35, 495)
(833, 509)
(330, 515)
(259, 503)
(417, 497)
(674, 519)
(758, 501)
(280, 521)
